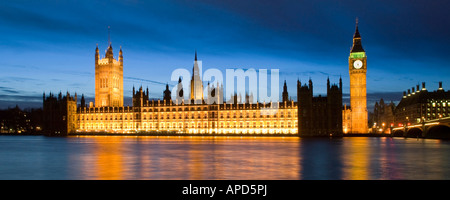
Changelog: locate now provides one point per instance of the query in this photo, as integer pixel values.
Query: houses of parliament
(308, 116)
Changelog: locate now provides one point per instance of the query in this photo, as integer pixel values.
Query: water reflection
(200, 158)
(356, 159)
(195, 158)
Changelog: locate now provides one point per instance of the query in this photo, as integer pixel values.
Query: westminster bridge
(435, 128)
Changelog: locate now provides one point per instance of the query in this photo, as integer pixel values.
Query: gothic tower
(285, 92)
(167, 95)
(196, 83)
(108, 79)
(358, 97)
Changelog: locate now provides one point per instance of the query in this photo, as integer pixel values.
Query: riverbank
(368, 135)
(183, 134)
(223, 135)
(207, 134)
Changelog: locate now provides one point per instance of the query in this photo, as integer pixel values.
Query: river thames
(223, 158)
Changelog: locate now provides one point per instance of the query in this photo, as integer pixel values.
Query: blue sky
(49, 45)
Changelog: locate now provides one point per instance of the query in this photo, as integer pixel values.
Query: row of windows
(115, 81)
(180, 116)
(144, 110)
(438, 104)
(186, 108)
(437, 115)
(436, 109)
(191, 125)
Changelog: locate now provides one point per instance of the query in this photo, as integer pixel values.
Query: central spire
(196, 55)
(357, 46)
(356, 35)
(196, 82)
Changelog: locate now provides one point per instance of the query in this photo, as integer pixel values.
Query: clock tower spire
(358, 96)
(357, 46)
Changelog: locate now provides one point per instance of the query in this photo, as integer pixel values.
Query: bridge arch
(398, 133)
(414, 132)
(438, 132)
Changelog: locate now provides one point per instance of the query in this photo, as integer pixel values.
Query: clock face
(357, 64)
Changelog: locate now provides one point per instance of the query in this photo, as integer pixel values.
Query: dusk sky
(49, 46)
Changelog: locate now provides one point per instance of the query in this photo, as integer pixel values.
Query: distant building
(18, 121)
(59, 114)
(382, 118)
(418, 105)
(319, 116)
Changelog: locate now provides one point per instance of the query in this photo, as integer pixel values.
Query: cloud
(8, 90)
(147, 80)
(305, 73)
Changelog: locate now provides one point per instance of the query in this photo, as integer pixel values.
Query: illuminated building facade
(419, 105)
(198, 117)
(358, 95)
(157, 116)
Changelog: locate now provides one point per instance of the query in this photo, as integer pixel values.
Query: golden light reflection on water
(109, 162)
(188, 157)
(243, 158)
(356, 161)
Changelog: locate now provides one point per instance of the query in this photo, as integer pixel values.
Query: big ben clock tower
(358, 99)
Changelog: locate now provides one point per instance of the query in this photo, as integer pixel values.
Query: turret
(180, 96)
(328, 84)
(109, 53)
(285, 92)
(83, 101)
(120, 56)
(167, 95)
(97, 56)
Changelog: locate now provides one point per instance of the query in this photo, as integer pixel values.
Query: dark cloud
(147, 80)
(306, 73)
(8, 90)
